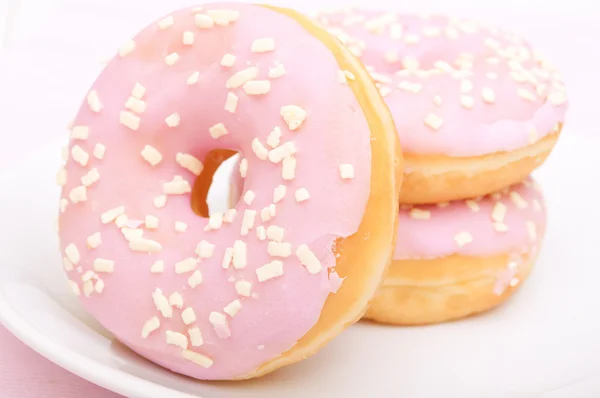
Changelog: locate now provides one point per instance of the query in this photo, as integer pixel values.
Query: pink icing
(280, 310)
(484, 56)
(435, 237)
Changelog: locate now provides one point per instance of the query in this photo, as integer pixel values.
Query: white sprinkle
(127, 48)
(177, 187)
(189, 162)
(243, 288)
(144, 245)
(204, 21)
(150, 326)
(121, 221)
(249, 197)
(466, 86)
(78, 194)
(239, 254)
(288, 171)
(151, 222)
(265, 214)
(94, 101)
(518, 200)
(227, 257)
(187, 265)
(218, 130)
(74, 287)
(197, 358)
(488, 95)
(274, 137)
(275, 233)
(276, 72)
(500, 226)
(302, 195)
(257, 87)
(94, 240)
(217, 319)
(499, 211)
(99, 151)
(215, 221)
(419, 214)
(293, 115)
(308, 259)
(223, 17)
(269, 271)
(279, 193)
(151, 155)
(259, 149)
(248, 221)
(173, 120)
(136, 105)
(346, 171)
(80, 132)
(138, 91)
(557, 98)
(231, 102)
(162, 304)
(526, 94)
(261, 232)
(196, 279)
(467, 101)
(233, 308)
(463, 238)
(188, 38)
(195, 337)
(241, 77)
(263, 45)
(67, 264)
(88, 288)
(531, 229)
(472, 205)
(244, 167)
(437, 100)
(129, 120)
(229, 215)
(160, 201)
(281, 152)
(103, 265)
(205, 249)
(172, 59)
(158, 267)
(491, 75)
(193, 78)
(63, 205)
(277, 249)
(99, 286)
(433, 121)
(188, 315)
(177, 339)
(79, 155)
(72, 254)
(180, 226)
(166, 22)
(112, 214)
(228, 60)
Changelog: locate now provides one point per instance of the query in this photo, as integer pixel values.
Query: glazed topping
(204, 293)
(507, 221)
(455, 87)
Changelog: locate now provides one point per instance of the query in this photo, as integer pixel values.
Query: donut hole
(215, 190)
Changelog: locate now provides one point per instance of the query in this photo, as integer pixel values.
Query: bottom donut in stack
(460, 258)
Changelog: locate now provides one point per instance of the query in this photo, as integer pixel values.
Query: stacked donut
(477, 110)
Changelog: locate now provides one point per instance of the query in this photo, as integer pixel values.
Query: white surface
(543, 343)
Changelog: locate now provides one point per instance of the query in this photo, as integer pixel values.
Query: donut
(463, 258)
(476, 108)
(236, 294)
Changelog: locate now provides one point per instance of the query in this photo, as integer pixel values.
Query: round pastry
(460, 259)
(476, 109)
(241, 293)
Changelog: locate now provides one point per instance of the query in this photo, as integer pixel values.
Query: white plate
(543, 343)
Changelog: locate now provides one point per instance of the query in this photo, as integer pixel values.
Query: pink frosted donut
(461, 258)
(476, 108)
(267, 283)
